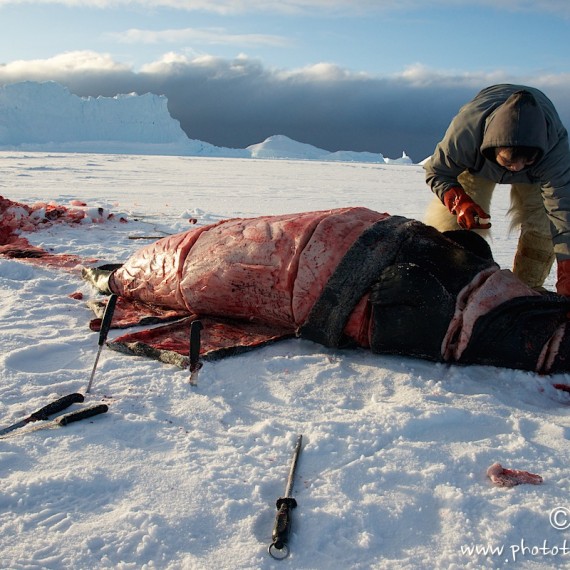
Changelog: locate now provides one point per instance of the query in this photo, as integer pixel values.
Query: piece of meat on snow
(511, 477)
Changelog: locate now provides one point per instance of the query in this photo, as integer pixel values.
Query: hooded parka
(506, 116)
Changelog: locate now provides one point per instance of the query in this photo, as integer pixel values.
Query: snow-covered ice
(393, 470)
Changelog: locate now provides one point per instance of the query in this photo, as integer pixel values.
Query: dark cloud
(236, 103)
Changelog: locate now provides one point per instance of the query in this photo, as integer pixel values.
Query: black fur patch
(411, 311)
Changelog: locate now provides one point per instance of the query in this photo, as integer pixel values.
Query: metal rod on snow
(279, 549)
(103, 332)
(195, 364)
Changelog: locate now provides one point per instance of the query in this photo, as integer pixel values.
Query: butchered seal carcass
(344, 277)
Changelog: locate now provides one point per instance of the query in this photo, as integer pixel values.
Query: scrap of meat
(511, 477)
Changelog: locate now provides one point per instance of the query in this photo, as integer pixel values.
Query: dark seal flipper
(99, 276)
(514, 334)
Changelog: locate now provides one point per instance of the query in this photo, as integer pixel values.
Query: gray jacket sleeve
(457, 152)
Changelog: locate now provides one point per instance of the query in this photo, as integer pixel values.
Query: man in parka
(508, 134)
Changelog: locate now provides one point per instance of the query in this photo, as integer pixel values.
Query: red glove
(563, 282)
(469, 214)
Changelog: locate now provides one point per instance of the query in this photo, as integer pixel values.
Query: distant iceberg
(280, 146)
(47, 117)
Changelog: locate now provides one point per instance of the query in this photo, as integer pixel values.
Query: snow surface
(47, 117)
(392, 472)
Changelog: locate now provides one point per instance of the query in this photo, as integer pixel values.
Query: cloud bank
(239, 102)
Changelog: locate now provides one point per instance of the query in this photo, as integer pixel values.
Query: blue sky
(372, 37)
(97, 46)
